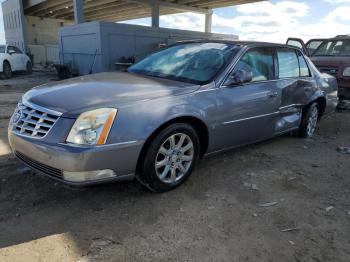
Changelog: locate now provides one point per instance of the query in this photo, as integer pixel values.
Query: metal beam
(78, 11)
(30, 3)
(155, 14)
(181, 7)
(208, 22)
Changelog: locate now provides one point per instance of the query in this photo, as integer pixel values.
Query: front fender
(137, 122)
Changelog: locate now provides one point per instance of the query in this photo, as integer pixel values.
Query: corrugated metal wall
(79, 44)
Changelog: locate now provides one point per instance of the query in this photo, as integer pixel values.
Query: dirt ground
(286, 199)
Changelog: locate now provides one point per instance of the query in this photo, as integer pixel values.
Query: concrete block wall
(43, 31)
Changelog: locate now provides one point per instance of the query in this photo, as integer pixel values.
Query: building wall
(13, 23)
(43, 31)
(99, 45)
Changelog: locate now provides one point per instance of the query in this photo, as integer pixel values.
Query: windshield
(196, 63)
(2, 49)
(334, 48)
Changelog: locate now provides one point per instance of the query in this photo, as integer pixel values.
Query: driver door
(247, 112)
(15, 58)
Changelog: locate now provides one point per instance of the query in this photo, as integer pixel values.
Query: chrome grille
(33, 121)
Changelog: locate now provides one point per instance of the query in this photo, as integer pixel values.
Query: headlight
(92, 127)
(346, 71)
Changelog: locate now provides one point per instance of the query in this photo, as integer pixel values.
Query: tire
(6, 70)
(170, 158)
(309, 121)
(29, 68)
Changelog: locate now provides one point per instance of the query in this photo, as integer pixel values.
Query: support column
(208, 22)
(78, 11)
(155, 13)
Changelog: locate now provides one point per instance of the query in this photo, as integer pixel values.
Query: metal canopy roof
(121, 10)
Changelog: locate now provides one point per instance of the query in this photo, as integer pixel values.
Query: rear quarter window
(304, 68)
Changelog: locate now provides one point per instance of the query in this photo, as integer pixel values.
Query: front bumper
(53, 159)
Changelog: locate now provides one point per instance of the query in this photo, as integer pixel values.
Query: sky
(271, 21)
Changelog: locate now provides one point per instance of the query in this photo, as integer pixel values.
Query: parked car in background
(155, 121)
(12, 60)
(331, 56)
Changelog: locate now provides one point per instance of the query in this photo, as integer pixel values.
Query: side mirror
(11, 52)
(239, 77)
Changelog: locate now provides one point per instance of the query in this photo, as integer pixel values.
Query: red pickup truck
(331, 56)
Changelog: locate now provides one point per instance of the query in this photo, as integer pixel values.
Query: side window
(10, 48)
(288, 65)
(17, 50)
(259, 61)
(295, 43)
(313, 45)
(304, 68)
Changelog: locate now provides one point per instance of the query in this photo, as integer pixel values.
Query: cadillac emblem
(18, 115)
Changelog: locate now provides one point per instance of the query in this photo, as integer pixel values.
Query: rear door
(296, 84)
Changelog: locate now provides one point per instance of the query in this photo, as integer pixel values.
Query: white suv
(12, 59)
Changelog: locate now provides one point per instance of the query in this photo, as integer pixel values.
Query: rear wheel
(309, 121)
(29, 69)
(6, 69)
(170, 158)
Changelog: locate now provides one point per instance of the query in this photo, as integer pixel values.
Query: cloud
(267, 21)
(337, 1)
(289, 8)
(185, 21)
(264, 21)
(339, 14)
(275, 22)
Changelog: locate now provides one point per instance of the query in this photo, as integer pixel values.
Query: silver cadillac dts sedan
(181, 103)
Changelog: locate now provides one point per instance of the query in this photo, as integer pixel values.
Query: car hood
(337, 61)
(76, 95)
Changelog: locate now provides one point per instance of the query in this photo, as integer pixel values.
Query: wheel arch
(322, 103)
(5, 60)
(199, 126)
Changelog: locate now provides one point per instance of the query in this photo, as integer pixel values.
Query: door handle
(272, 95)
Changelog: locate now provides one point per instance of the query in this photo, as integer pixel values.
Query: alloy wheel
(312, 121)
(7, 70)
(174, 158)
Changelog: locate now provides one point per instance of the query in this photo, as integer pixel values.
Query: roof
(120, 10)
(342, 37)
(236, 42)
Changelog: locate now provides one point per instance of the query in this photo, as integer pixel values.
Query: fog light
(88, 175)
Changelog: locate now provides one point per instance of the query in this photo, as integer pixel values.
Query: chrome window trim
(280, 111)
(248, 118)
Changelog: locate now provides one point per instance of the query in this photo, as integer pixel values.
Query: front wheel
(309, 121)
(170, 158)
(7, 71)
